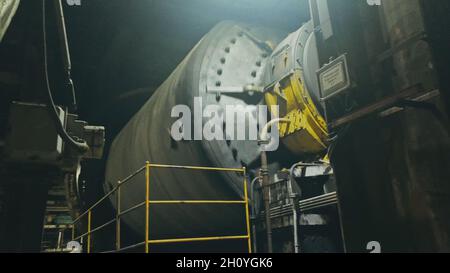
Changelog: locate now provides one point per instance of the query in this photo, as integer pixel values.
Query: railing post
(118, 211)
(89, 232)
(147, 205)
(73, 231)
(247, 217)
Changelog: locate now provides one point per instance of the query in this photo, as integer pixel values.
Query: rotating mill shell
(230, 55)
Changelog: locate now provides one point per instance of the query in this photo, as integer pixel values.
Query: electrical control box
(32, 135)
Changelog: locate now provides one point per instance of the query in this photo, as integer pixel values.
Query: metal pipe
(198, 239)
(314, 13)
(252, 197)
(60, 21)
(125, 248)
(89, 232)
(63, 35)
(264, 172)
(263, 136)
(132, 208)
(118, 212)
(266, 197)
(305, 205)
(198, 202)
(101, 226)
(196, 168)
(247, 217)
(58, 245)
(294, 198)
(147, 204)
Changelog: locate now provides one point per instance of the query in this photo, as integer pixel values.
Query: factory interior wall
(392, 173)
(394, 187)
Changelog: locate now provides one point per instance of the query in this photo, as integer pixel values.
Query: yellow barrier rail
(148, 202)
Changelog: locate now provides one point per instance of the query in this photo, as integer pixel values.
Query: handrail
(132, 208)
(197, 202)
(148, 202)
(196, 168)
(119, 184)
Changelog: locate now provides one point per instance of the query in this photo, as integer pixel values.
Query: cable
(335, 140)
(80, 146)
(65, 51)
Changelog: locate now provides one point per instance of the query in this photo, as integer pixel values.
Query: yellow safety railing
(148, 202)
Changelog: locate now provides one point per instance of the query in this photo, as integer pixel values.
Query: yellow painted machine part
(306, 133)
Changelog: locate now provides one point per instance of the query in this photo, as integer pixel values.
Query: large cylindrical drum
(231, 55)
